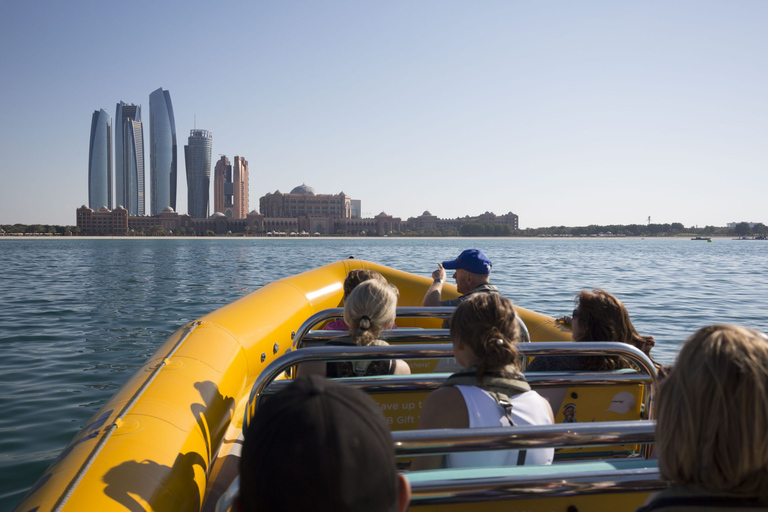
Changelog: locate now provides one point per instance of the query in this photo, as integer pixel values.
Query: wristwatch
(438, 281)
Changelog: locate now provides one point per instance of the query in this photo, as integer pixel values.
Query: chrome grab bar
(326, 354)
(569, 482)
(432, 381)
(566, 482)
(441, 312)
(396, 335)
(564, 435)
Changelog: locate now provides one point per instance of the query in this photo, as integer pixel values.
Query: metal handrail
(564, 435)
(568, 482)
(436, 351)
(440, 312)
(431, 381)
(401, 335)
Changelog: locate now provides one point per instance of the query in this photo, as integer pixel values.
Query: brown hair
(357, 276)
(713, 412)
(602, 317)
(369, 309)
(488, 324)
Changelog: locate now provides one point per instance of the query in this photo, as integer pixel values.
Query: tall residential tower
(230, 187)
(162, 152)
(129, 158)
(100, 161)
(197, 157)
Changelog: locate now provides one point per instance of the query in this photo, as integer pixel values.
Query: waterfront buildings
(316, 212)
(162, 152)
(100, 161)
(118, 222)
(129, 158)
(230, 187)
(197, 158)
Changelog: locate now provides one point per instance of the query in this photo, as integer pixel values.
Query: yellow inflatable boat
(162, 442)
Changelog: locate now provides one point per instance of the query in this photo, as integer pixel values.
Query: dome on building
(104, 209)
(218, 214)
(382, 213)
(168, 209)
(303, 189)
(83, 206)
(253, 212)
(426, 212)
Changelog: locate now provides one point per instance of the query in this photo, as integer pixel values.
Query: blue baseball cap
(471, 260)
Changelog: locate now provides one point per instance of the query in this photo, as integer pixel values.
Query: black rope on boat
(118, 420)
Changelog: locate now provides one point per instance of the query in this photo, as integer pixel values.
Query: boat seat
(608, 485)
(622, 395)
(593, 485)
(415, 324)
(409, 335)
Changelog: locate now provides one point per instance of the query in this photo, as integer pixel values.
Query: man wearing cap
(320, 445)
(473, 273)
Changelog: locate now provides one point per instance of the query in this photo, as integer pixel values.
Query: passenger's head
(369, 309)
(601, 316)
(713, 412)
(486, 323)
(357, 276)
(320, 445)
(473, 268)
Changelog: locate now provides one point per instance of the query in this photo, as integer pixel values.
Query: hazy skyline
(565, 113)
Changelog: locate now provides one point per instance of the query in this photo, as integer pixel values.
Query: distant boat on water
(702, 238)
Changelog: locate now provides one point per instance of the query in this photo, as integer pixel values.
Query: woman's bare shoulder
(444, 408)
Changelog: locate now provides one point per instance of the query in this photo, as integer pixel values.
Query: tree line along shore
(675, 229)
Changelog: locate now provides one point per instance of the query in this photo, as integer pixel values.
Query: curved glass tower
(100, 161)
(129, 158)
(162, 152)
(197, 157)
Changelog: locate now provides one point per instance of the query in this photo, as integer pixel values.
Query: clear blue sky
(563, 112)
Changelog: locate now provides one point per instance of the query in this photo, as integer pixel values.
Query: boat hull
(155, 443)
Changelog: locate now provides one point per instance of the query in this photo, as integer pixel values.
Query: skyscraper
(197, 158)
(129, 158)
(240, 186)
(100, 161)
(162, 152)
(222, 187)
(230, 187)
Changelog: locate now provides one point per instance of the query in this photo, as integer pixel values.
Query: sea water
(79, 316)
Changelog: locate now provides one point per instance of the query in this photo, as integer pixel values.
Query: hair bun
(365, 322)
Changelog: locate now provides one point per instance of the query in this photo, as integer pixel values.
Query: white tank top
(528, 408)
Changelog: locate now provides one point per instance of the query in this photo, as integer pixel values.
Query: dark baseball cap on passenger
(471, 260)
(318, 445)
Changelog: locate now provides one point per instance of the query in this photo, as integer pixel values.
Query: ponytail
(370, 309)
(488, 324)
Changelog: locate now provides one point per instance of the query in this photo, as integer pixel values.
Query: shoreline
(90, 237)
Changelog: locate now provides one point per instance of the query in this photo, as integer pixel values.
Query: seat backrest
(623, 396)
(586, 485)
(606, 486)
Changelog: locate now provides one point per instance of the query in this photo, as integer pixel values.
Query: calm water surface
(77, 317)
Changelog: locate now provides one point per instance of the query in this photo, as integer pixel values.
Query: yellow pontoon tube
(153, 445)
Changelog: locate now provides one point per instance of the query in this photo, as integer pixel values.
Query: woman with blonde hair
(712, 423)
(370, 308)
(491, 391)
(354, 278)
